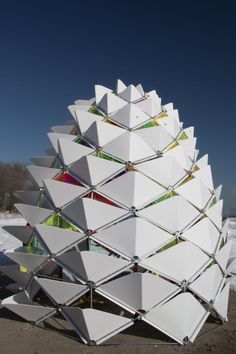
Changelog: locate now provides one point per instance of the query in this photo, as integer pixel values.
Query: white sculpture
(125, 210)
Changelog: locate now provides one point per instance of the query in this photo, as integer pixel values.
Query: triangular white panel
(22, 233)
(34, 215)
(101, 133)
(205, 175)
(221, 304)
(215, 213)
(208, 283)
(19, 304)
(196, 153)
(165, 170)
(174, 114)
(92, 170)
(92, 266)
(195, 192)
(58, 240)
(222, 255)
(152, 93)
(133, 291)
(55, 136)
(203, 234)
(62, 129)
(94, 326)
(130, 94)
(231, 266)
(225, 229)
(62, 292)
(85, 119)
(179, 263)
(202, 162)
(179, 154)
(171, 124)
(130, 116)
(189, 132)
(132, 190)
(157, 137)
(120, 86)
(181, 318)
(90, 214)
(169, 107)
(39, 173)
(182, 213)
(129, 147)
(140, 89)
(70, 152)
(43, 161)
(218, 192)
(80, 102)
(151, 106)
(100, 91)
(62, 193)
(72, 108)
(29, 261)
(189, 146)
(111, 103)
(133, 238)
(28, 197)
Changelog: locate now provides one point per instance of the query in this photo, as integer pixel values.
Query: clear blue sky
(52, 52)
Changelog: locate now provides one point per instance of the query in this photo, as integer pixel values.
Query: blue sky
(53, 52)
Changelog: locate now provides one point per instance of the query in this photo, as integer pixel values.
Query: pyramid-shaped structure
(125, 211)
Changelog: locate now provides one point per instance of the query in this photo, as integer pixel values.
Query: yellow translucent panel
(150, 124)
(106, 157)
(57, 221)
(173, 146)
(162, 115)
(169, 245)
(23, 269)
(183, 136)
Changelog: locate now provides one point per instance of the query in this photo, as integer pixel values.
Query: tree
(13, 176)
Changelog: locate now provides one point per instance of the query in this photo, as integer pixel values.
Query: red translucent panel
(99, 198)
(67, 178)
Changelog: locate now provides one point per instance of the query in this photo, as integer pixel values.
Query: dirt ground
(17, 336)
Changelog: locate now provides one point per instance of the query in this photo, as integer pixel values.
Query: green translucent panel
(213, 202)
(183, 136)
(164, 197)
(78, 140)
(35, 246)
(40, 199)
(93, 246)
(81, 141)
(106, 157)
(212, 262)
(57, 163)
(95, 110)
(150, 124)
(58, 221)
(42, 202)
(169, 245)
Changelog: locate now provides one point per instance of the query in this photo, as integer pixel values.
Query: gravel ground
(17, 336)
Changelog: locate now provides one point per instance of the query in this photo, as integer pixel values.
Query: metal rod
(91, 297)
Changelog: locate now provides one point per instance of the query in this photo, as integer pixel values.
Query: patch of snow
(232, 236)
(8, 241)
